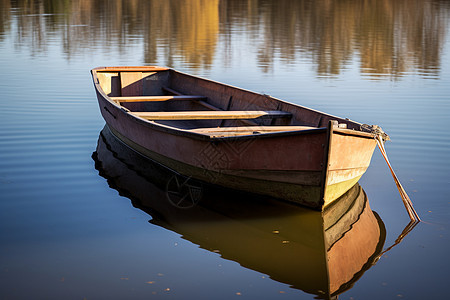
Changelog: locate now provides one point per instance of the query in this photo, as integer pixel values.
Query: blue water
(65, 233)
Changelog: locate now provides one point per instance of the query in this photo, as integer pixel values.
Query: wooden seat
(262, 129)
(203, 115)
(247, 130)
(156, 98)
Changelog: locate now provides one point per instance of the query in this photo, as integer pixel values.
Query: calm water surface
(79, 219)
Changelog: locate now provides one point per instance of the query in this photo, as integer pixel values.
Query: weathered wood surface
(131, 69)
(171, 91)
(156, 98)
(131, 83)
(250, 129)
(204, 115)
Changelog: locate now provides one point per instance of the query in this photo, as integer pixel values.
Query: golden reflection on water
(388, 37)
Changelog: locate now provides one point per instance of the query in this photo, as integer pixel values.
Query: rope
(380, 137)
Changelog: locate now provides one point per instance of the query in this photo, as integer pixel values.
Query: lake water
(80, 220)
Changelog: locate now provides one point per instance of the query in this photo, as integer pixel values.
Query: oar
(406, 201)
(399, 239)
(379, 136)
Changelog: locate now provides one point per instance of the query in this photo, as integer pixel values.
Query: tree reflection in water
(388, 38)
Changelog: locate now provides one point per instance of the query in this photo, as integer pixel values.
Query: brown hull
(322, 253)
(312, 166)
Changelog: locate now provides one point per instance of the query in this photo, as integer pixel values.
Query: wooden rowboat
(232, 137)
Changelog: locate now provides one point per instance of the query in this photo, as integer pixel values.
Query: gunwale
(175, 130)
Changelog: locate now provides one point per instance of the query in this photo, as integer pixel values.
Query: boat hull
(309, 167)
(322, 253)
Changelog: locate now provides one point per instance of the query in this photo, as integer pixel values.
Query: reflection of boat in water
(322, 253)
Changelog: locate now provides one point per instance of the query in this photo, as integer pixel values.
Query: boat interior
(165, 96)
